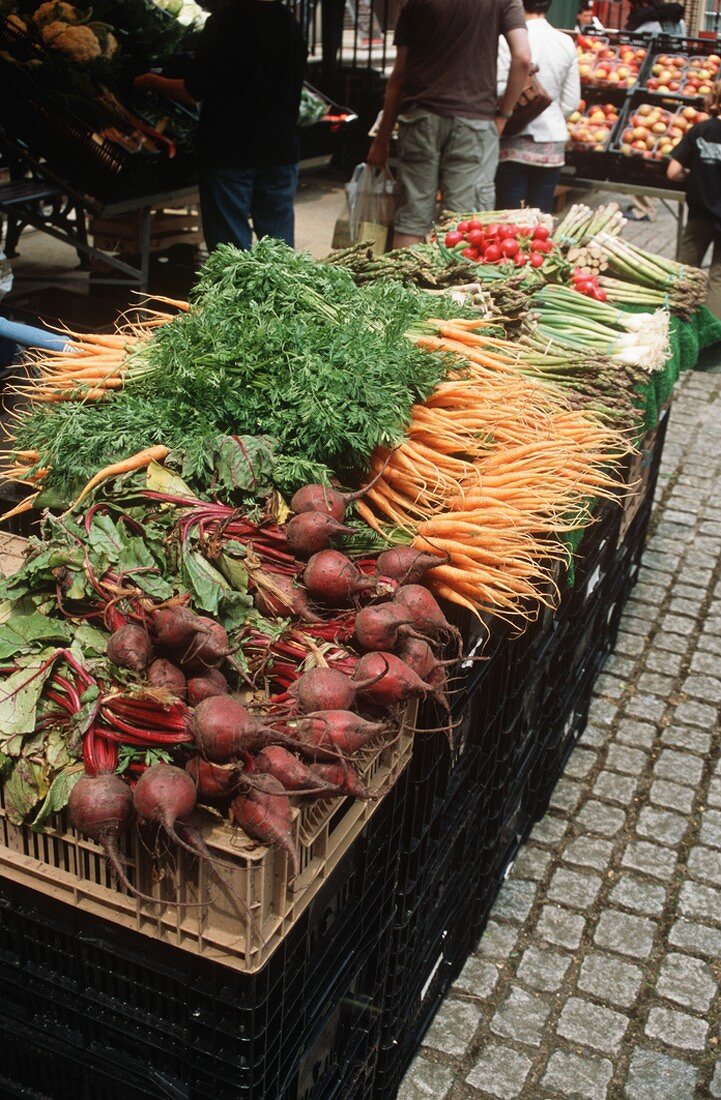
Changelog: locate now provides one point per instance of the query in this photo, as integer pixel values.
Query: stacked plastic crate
(517, 713)
(93, 1009)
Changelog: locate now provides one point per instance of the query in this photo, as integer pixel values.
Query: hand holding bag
(532, 102)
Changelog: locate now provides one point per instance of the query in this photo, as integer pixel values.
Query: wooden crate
(122, 235)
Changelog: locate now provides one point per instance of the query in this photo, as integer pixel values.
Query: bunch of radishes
(500, 242)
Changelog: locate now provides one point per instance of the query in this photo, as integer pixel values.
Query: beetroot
(165, 794)
(164, 674)
(288, 599)
(129, 647)
(208, 647)
(327, 689)
(334, 579)
(322, 498)
(266, 816)
(427, 616)
(291, 772)
(309, 532)
(329, 733)
(344, 778)
(406, 565)
(175, 627)
(397, 684)
(101, 807)
(212, 682)
(418, 655)
(223, 729)
(381, 626)
(319, 498)
(213, 781)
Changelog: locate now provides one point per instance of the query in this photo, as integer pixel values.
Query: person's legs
(469, 155)
(272, 206)
(698, 234)
(511, 185)
(542, 187)
(225, 196)
(713, 298)
(418, 158)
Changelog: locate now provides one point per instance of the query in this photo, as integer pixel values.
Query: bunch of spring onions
(581, 223)
(682, 289)
(572, 320)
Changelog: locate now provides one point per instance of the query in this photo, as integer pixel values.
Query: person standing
(531, 161)
(697, 160)
(442, 93)
(652, 17)
(248, 76)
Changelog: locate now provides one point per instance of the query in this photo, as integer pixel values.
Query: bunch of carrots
(494, 465)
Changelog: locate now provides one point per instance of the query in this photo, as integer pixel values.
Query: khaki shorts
(456, 155)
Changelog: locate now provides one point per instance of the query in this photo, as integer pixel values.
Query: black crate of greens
(203, 1027)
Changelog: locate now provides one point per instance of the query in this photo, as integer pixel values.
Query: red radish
(425, 612)
(175, 627)
(406, 565)
(397, 684)
(344, 778)
(129, 647)
(165, 674)
(283, 599)
(309, 532)
(223, 729)
(208, 647)
(212, 682)
(214, 781)
(101, 807)
(266, 816)
(381, 625)
(292, 773)
(334, 579)
(330, 732)
(327, 689)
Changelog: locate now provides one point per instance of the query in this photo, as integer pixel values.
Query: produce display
(591, 127)
(208, 618)
(607, 65)
(679, 74)
(653, 132)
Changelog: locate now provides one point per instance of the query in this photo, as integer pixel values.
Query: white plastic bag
(371, 196)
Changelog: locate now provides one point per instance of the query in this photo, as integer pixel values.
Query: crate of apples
(602, 65)
(700, 75)
(667, 74)
(653, 132)
(590, 127)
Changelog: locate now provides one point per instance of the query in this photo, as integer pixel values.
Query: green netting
(686, 340)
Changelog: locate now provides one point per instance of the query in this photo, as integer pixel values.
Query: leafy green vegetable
(18, 634)
(19, 696)
(58, 793)
(275, 345)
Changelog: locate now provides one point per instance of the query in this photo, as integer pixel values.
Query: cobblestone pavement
(598, 974)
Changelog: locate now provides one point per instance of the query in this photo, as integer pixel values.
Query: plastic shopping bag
(371, 195)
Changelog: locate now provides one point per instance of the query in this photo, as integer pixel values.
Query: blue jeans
(525, 184)
(231, 197)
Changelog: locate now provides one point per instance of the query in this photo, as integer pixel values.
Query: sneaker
(634, 216)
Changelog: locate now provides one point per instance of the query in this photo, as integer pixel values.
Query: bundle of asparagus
(643, 278)
(581, 223)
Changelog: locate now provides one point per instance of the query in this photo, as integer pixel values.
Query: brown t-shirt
(452, 52)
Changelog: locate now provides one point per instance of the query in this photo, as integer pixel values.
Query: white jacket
(555, 54)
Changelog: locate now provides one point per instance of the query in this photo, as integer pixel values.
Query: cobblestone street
(598, 974)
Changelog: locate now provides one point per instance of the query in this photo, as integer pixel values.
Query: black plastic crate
(420, 981)
(38, 1065)
(233, 1034)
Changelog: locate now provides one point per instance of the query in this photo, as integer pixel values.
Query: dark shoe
(634, 216)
